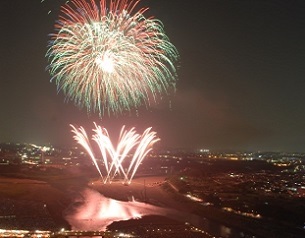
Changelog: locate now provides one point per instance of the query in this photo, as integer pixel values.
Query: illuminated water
(93, 211)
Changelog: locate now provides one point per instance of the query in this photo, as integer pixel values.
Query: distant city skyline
(240, 87)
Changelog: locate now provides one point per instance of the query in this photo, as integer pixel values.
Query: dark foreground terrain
(37, 197)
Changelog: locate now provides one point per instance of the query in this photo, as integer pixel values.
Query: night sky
(241, 77)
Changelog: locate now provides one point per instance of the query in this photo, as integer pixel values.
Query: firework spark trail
(114, 158)
(82, 138)
(127, 141)
(108, 57)
(147, 139)
(101, 136)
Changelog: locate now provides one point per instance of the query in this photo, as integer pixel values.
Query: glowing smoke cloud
(106, 56)
(113, 158)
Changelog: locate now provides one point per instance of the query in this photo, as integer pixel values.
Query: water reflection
(93, 211)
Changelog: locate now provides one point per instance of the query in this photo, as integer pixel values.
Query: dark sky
(241, 77)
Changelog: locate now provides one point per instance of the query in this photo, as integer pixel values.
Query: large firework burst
(108, 57)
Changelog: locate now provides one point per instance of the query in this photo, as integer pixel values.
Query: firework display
(125, 159)
(107, 57)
